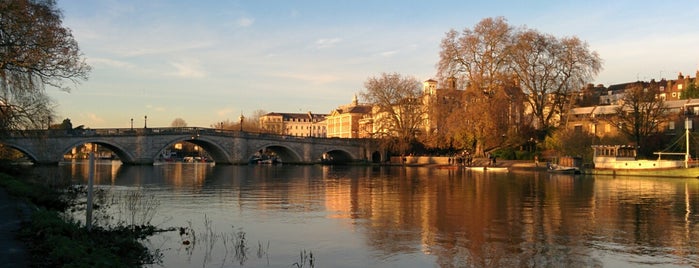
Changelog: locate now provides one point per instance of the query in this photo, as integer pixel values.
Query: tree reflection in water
(417, 217)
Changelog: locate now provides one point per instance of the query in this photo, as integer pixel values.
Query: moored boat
(555, 168)
(620, 160)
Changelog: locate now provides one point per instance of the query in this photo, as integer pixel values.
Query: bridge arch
(121, 152)
(337, 156)
(28, 153)
(217, 153)
(287, 154)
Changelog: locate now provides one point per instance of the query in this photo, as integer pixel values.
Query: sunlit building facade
(344, 122)
(295, 124)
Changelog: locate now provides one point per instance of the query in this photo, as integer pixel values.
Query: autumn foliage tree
(502, 68)
(480, 59)
(35, 51)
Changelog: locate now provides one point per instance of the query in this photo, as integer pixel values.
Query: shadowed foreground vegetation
(55, 240)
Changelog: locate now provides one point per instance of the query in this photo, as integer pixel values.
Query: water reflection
(416, 217)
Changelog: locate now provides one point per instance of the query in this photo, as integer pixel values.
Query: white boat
(496, 169)
(621, 160)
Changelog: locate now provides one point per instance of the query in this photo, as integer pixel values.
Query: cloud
(155, 108)
(110, 63)
(94, 119)
(188, 69)
(388, 53)
(225, 111)
(327, 42)
(245, 22)
(310, 78)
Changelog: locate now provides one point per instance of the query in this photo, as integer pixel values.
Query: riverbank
(13, 252)
(34, 232)
(444, 162)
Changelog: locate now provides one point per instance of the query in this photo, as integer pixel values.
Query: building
(591, 119)
(295, 124)
(343, 122)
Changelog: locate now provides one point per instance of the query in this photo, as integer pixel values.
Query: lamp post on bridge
(242, 118)
(145, 121)
(132, 123)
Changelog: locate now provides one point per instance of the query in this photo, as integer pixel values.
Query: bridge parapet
(145, 145)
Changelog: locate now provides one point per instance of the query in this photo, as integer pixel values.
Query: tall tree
(178, 122)
(479, 58)
(35, 51)
(640, 112)
(549, 70)
(398, 106)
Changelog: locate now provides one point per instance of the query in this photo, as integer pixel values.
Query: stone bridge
(145, 146)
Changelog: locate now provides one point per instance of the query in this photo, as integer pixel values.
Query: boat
(475, 168)
(496, 169)
(262, 158)
(488, 169)
(265, 160)
(620, 160)
(556, 168)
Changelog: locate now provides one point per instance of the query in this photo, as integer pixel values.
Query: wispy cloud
(224, 112)
(388, 53)
(188, 69)
(155, 108)
(94, 119)
(327, 42)
(110, 63)
(245, 22)
(310, 78)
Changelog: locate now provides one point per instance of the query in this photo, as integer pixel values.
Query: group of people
(465, 158)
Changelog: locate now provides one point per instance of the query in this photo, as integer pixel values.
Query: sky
(211, 61)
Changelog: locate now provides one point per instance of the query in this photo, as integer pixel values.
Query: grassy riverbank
(55, 240)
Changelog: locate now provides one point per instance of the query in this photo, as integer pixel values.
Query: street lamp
(242, 118)
(145, 121)
(131, 123)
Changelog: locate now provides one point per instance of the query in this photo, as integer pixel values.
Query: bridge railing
(194, 131)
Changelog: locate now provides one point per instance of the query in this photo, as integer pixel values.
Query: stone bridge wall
(144, 146)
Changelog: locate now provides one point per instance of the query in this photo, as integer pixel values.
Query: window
(679, 86)
(671, 125)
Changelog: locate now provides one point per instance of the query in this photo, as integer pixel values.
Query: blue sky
(208, 61)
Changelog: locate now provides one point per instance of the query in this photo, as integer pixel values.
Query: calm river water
(278, 216)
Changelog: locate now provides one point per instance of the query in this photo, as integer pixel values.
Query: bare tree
(35, 51)
(398, 106)
(549, 69)
(479, 58)
(640, 112)
(178, 122)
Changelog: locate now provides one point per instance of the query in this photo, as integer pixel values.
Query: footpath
(12, 213)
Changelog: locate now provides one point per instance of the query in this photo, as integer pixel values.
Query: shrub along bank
(55, 240)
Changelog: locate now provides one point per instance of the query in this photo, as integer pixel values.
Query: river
(342, 216)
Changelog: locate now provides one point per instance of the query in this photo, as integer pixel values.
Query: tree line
(489, 71)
